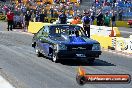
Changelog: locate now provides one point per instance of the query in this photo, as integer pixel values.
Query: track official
(86, 23)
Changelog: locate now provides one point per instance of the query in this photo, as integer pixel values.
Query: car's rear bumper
(78, 54)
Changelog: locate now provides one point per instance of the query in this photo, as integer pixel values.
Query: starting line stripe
(4, 83)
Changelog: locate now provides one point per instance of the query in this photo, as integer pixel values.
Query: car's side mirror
(34, 33)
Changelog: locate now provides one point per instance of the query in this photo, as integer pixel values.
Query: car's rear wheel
(38, 52)
(55, 58)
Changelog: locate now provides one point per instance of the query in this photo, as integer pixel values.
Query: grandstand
(121, 8)
(86, 4)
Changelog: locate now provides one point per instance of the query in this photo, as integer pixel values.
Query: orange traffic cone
(112, 33)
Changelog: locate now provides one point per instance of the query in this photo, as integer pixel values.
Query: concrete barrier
(50, 20)
(105, 41)
(103, 30)
(122, 24)
(34, 27)
(124, 44)
(118, 23)
(2, 17)
(115, 43)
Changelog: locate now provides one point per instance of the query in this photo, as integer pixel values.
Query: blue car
(63, 41)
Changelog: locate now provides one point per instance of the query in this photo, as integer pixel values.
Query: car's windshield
(68, 30)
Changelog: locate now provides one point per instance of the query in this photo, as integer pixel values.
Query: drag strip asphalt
(125, 32)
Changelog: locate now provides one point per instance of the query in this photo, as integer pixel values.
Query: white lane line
(4, 83)
(128, 32)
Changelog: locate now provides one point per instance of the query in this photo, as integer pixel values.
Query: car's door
(38, 37)
(44, 41)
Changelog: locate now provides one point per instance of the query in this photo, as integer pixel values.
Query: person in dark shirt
(63, 18)
(56, 14)
(37, 17)
(120, 14)
(27, 19)
(100, 19)
(86, 23)
(113, 18)
(42, 16)
(92, 18)
(52, 12)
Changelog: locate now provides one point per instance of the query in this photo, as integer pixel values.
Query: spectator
(42, 16)
(106, 19)
(22, 20)
(56, 14)
(113, 19)
(69, 16)
(74, 13)
(37, 17)
(100, 19)
(45, 12)
(23, 9)
(10, 16)
(74, 8)
(78, 1)
(74, 21)
(120, 14)
(56, 1)
(52, 12)
(27, 19)
(92, 18)
(47, 2)
(63, 18)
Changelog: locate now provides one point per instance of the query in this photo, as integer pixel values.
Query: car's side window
(45, 32)
(40, 32)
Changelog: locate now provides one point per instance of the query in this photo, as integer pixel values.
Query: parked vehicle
(129, 23)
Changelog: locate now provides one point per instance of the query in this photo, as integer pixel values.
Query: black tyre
(55, 58)
(38, 52)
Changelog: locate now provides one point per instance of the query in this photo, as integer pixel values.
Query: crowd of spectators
(104, 11)
(50, 10)
(121, 8)
(38, 12)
